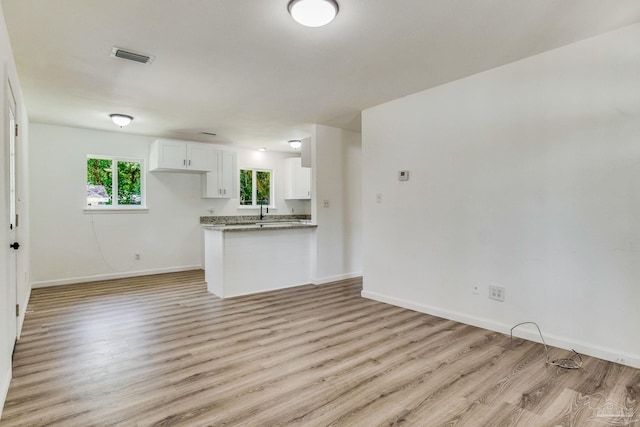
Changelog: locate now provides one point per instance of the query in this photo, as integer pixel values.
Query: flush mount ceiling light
(262, 149)
(295, 144)
(121, 119)
(313, 13)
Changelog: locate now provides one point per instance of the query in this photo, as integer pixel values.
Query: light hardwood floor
(160, 350)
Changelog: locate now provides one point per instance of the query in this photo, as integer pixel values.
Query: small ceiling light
(121, 119)
(313, 13)
(295, 144)
(262, 149)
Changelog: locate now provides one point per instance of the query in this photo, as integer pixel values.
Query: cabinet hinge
(16, 129)
(17, 310)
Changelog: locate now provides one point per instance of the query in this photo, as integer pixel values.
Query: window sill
(140, 210)
(243, 207)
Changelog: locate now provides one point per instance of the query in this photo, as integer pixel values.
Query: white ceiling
(246, 71)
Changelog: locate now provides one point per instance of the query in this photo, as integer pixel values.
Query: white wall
(526, 176)
(7, 293)
(336, 178)
(70, 245)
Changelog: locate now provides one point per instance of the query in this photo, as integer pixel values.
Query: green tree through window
(263, 187)
(129, 183)
(104, 188)
(99, 182)
(246, 187)
(256, 187)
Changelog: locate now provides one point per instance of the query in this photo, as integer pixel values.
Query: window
(123, 189)
(256, 187)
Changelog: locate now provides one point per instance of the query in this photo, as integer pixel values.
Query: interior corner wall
(337, 203)
(527, 177)
(7, 306)
(70, 245)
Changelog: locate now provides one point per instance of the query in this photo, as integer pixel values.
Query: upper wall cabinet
(297, 179)
(171, 155)
(221, 182)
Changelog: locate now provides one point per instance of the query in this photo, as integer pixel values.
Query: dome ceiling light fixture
(313, 13)
(295, 144)
(121, 119)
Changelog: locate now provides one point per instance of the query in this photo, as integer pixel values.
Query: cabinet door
(211, 188)
(172, 155)
(227, 159)
(220, 183)
(303, 182)
(211, 181)
(297, 180)
(199, 157)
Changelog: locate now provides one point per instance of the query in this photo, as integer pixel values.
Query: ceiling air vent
(117, 52)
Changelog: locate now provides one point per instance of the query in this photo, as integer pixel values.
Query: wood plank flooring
(161, 351)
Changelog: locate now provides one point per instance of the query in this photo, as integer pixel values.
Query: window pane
(263, 187)
(246, 185)
(129, 183)
(99, 182)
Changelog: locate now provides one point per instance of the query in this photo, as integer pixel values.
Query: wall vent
(118, 52)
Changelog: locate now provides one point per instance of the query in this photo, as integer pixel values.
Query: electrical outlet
(137, 255)
(325, 203)
(475, 290)
(496, 293)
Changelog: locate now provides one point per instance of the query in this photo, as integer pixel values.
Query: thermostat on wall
(403, 176)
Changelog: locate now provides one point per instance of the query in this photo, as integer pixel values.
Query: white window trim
(110, 209)
(141, 208)
(272, 201)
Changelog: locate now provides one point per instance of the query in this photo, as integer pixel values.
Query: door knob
(15, 245)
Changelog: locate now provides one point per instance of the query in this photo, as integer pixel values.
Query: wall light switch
(379, 198)
(403, 175)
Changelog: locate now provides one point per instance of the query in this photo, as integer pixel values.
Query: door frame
(11, 149)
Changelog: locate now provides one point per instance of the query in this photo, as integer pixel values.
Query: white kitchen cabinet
(297, 179)
(220, 183)
(181, 156)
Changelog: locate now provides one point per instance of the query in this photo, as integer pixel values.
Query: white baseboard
(590, 349)
(279, 288)
(98, 277)
(4, 388)
(329, 279)
(23, 312)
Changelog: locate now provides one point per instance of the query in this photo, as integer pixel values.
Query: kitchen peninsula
(243, 258)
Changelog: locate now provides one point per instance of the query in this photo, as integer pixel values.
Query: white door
(12, 220)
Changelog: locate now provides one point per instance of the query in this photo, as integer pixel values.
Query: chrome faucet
(261, 215)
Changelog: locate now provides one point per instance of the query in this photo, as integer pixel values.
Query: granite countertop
(261, 226)
(254, 223)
